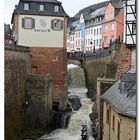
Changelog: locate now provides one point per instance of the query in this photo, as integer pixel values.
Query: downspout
(109, 121)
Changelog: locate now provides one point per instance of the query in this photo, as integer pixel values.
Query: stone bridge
(108, 55)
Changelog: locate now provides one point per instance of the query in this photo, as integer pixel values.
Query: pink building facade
(113, 25)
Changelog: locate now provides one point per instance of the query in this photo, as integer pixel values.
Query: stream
(76, 88)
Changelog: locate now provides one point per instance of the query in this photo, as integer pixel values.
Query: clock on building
(57, 24)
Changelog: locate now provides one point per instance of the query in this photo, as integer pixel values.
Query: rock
(75, 102)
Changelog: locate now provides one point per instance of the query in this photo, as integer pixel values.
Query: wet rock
(75, 102)
(68, 108)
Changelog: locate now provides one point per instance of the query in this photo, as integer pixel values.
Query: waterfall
(76, 88)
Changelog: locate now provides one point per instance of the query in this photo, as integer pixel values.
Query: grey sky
(70, 6)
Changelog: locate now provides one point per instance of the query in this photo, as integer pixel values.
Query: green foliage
(111, 70)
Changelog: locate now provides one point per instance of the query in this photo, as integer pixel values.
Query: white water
(73, 132)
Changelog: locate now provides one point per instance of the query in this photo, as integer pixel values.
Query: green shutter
(62, 25)
(52, 24)
(23, 22)
(33, 23)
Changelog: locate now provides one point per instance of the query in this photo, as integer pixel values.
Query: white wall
(93, 37)
(33, 38)
(128, 39)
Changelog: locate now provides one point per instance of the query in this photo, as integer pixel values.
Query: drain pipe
(109, 121)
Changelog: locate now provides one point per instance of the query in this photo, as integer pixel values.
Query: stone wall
(124, 62)
(98, 69)
(38, 102)
(16, 70)
(52, 61)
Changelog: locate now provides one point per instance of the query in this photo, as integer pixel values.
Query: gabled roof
(118, 7)
(34, 10)
(51, 1)
(122, 95)
(88, 10)
(97, 12)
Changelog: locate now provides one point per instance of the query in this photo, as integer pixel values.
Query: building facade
(119, 109)
(113, 24)
(93, 32)
(42, 26)
(7, 34)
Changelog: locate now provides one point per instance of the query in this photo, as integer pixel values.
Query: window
(56, 8)
(96, 19)
(106, 18)
(91, 31)
(100, 18)
(97, 31)
(100, 30)
(88, 41)
(105, 28)
(100, 42)
(112, 38)
(54, 58)
(91, 41)
(94, 43)
(97, 42)
(41, 7)
(111, 15)
(113, 123)
(105, 39)
(94, 32)
(78, 43)
(112, 27)
(107, 116)
(118, 131)
(26, 6)
(57, 24)
(28, 23)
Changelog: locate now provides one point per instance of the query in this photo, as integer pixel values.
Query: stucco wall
(46, 38)
(127, 126)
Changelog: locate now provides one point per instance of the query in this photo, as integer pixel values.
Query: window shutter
(23, 22)
(62, 25)
(52, 24)
(33, 23)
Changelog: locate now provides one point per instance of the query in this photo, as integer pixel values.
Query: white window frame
(41, 7)
(97, 31)
(26, 6)
(56, 8)
(105, 27)
(112, 38)
(94, 32)
(112, 26)
(28, 21)
(106, 39)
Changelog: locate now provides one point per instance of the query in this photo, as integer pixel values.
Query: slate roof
(34, 10)
(97, 12)
(118, 7)
(122, 95)
(51, 1)
(88, 10)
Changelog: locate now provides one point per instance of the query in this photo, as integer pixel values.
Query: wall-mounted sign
(42, 22)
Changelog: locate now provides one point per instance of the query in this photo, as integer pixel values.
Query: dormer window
(26, 6)
(41, 7)
(56, 8)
